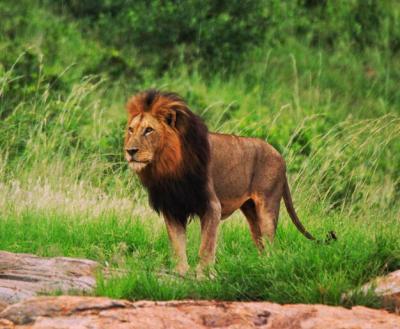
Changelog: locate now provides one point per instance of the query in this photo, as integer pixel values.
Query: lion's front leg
(209, 232)
(177, 235)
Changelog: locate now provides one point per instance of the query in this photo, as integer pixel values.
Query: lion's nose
(132, 151)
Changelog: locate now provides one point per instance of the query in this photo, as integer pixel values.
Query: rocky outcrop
(387, 288)
(23, 276)
(92, 312)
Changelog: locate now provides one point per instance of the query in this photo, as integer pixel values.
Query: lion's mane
(177, 179)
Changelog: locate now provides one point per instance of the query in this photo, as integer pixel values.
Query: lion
(190, 171)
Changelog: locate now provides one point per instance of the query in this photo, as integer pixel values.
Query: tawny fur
(241, 173)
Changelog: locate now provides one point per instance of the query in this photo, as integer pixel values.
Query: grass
(65, 190)
(58, 199)
(119, 236)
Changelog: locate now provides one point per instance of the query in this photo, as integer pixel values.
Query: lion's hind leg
(262, 212)
(267, 209)
(249, 211)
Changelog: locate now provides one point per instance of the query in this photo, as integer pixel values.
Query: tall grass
(321, 86)
(65, 189)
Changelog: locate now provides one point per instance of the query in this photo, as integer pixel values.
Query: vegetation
(317, 79)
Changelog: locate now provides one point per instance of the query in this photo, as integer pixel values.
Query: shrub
(217, 32)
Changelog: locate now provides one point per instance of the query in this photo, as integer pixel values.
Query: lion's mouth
(138, 161)
(137, 165)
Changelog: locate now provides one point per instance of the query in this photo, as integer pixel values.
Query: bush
(166, 32)
(356, 24)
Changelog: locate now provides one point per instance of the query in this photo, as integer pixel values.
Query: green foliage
(221, 33)
(316, 79)
(356, 24)
(165, 31)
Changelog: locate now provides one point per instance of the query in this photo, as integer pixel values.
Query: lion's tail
(287, 197)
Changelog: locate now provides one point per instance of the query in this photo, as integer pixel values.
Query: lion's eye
(147, 131)
(130, 130)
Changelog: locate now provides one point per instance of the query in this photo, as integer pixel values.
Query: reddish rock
(23, 276)
(388, 288)
(92, 312)
(3, 305)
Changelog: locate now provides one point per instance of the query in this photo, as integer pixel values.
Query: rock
(5, 324)
(23, 276)
(387, 288)
(3, 305)
(96, 312)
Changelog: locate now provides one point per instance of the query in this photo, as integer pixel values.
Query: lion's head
(153, 132)
(167, 145)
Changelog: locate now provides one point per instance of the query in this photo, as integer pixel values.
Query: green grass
(296, 270)
(66, 190)
(332, 110)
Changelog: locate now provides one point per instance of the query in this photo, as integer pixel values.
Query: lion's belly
(229, 206)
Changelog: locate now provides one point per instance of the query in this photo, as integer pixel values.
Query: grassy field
(65, 189)
(124, 233)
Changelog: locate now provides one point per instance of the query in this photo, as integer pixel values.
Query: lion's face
(143, 140)
(157, 123)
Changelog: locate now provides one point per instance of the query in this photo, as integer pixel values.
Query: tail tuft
(330, 237)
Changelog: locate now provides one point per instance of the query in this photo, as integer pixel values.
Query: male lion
(189, 171)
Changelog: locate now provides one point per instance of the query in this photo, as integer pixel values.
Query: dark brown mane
(177, 179)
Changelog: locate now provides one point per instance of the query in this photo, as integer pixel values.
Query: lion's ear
(171, 119)
(176, 118)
